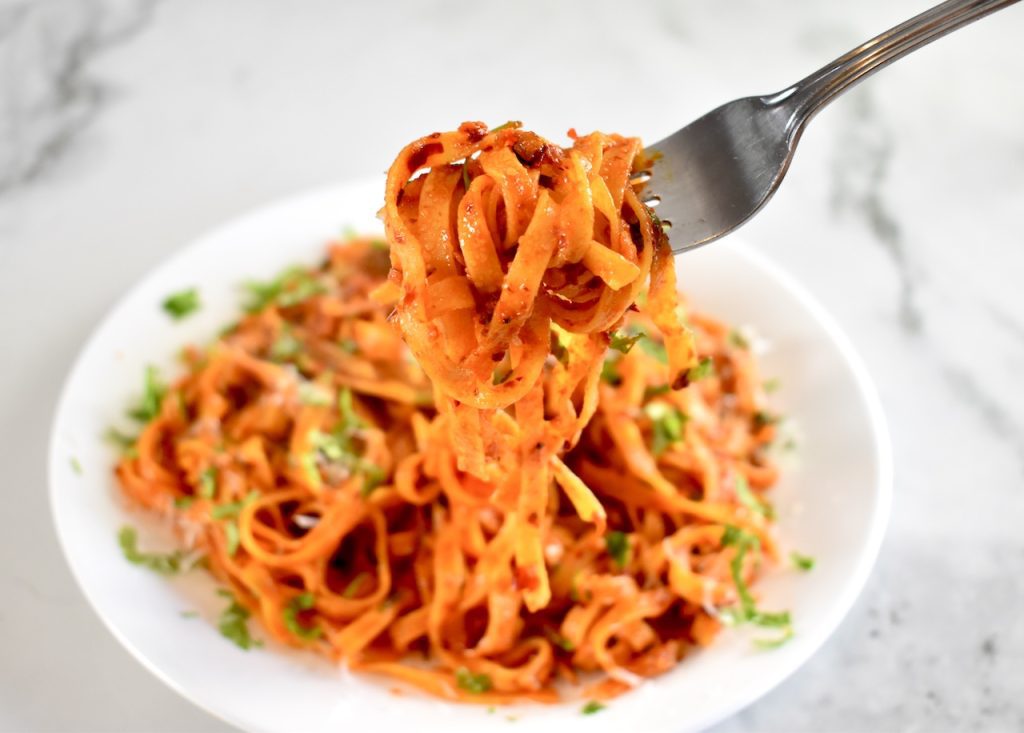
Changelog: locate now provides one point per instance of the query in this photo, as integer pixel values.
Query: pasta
(499, 442)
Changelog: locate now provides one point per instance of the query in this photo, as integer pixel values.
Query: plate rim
(866, 389)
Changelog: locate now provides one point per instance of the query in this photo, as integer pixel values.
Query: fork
(717, 172)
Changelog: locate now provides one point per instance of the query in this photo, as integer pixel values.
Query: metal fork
(714, 174)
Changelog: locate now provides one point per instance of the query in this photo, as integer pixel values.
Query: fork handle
(807, 96)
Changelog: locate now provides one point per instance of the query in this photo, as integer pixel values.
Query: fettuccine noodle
(426, 448)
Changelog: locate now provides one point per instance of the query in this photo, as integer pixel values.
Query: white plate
(833, 505)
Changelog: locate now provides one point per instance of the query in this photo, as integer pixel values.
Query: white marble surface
(127, 127)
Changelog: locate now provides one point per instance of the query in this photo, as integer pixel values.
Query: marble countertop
(127, 127)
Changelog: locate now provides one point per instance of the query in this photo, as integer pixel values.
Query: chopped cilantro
(373, 476)
(337, 447)
(751, 501)
(624, 341)
(349, 346)
(704, 368)
(655, 349)
(208, 483)
(354, 585)
(617, 544)
(178, 305)
(233, 624)
(227, 330)
(231, 537)
(168, 564)
(558, 640)
(787, 634)
(301, 602)
(472, 681)
(738, 340)
(311, 393)
(668, 425)
(350, 419)
(152, 395)
(307, 462)
(233, 509)
(659, 389)
(802, 562)
(560, 340)
(747, 611)
(592, 706)
(772, 385)
(505, 126)
(763, 419)
(610, 372)
(285, 346)
(125, 443)
(291, 287)
(183, 502)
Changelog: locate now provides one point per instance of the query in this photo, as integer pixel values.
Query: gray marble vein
(48, 94)
(859, 168)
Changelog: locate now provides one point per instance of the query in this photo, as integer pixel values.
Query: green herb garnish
(650, 392)
(510, 123)
(168, 564)
(655, 349)
(704, 368)
(738, 340)
(617, 544)
(802, 562)
(311, 393)
(178, 305)
(231, 538)
(772, 385)
(123, 442)
(593, 706)
(350, 420)
(285, 346)
(775, 643)
(234, 508)
(560, 641)
(763, 419)
(183, 502)
(152, 395)
(751, 500)
(349, 346)
(610, 372)
(354, 585)
(291, 287)
(472, 681)
(338, 447)
(233, 624)
(624, 341)
(301, 602)
(747, 611)
(75, 465)
(208, 483)
(668, 425)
